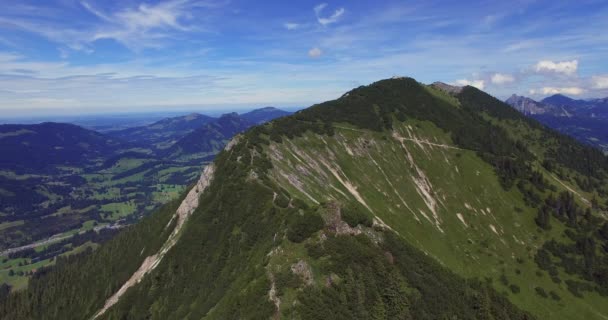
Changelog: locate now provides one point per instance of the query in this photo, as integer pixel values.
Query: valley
(112, 181)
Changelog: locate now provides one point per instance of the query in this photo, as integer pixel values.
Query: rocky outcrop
(186, 208)
(302, 269)
(529, 106)
(446, 87)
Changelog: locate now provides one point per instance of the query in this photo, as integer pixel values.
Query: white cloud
(565, 90)
(315, 52)
(318, 8)
(327, 20)
(479, 84)
(142, 26)
(145, 24)
(291, 26)
(599, 82)
(564, 67)
(501, 78)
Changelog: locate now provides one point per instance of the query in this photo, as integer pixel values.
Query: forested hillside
(395, 201)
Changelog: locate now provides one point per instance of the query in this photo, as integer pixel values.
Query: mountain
(39, 146)
(591, 108)
(210, 138)
(162, 134)
(584, 120)
(259, 116)
(396, 201)
(529, 106)
(562, 100)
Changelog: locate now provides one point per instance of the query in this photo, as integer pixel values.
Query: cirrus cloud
(327, 20)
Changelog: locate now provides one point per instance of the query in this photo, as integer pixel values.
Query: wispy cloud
(151, 52)
(138, 27)
(333, 18)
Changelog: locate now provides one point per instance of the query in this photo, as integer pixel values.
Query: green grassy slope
(444, 200)
(396, 201)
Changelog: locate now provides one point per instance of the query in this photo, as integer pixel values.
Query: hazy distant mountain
(209, 138)
(529, 106)
(38, 146)
(585, 120)
(262, 115)
(162, 134)
(592, 108)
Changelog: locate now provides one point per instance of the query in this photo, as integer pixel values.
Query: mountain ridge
(583, 119)
(387, 202)
(52, 143)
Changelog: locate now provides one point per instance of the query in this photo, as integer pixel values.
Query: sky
(100, 56)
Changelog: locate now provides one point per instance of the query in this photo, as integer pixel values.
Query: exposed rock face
(186, 208)
(526, 105)
(446, 87)
(190, 203)
(529, 106)
(302, 269)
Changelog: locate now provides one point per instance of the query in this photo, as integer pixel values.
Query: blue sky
(94, 56)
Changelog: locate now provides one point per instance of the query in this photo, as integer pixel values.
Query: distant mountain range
(41, 146)
(529, 106)
(57, 178)
(585, 120)
(164, 133)
(209, 138)
(265, 114)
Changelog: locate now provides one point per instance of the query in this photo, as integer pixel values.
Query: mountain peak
(264, 114)
(558, 100)
(265, 109)
(192, 116)
(529, 106)
(230, 115)
(446, 87)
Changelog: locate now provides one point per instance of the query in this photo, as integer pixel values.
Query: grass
(18, 282)
(420, 190)
(126, 164)
(119, 210)
(6, 225)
